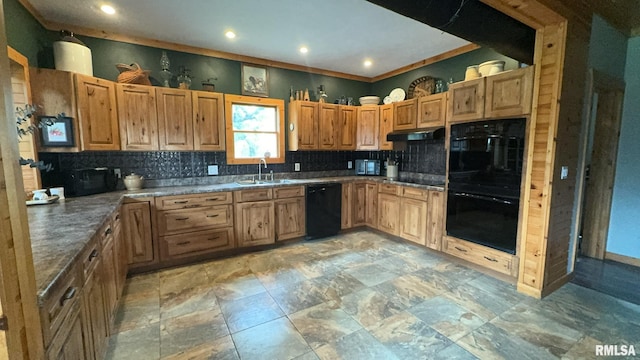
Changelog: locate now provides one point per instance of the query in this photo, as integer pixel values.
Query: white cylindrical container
(392, 172)
(471, 73)
(69, 56)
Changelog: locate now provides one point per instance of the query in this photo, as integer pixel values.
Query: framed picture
(255, 80)
(59, 132)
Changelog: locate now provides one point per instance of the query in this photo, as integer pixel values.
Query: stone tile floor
(357, 296)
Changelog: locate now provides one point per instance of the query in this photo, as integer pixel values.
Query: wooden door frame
(596, 80)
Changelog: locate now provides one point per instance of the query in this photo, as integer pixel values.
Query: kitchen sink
(261, 182)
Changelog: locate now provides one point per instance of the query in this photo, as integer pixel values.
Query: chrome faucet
(263, 160)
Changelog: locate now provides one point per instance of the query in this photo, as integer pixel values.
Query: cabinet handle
(108, 231)
(460, 249)
(182, 219)
(192, 206)
(93, 255)
(490, 259)
(117, 217)
(213, 199)
(214, 238)
(181, 202)
(183, 243)
(68, 295)
(212, 216)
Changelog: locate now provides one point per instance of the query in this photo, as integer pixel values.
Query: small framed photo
(58, 131)
(255, 80)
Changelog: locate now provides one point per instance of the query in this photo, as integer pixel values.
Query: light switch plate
(564, 172)
(349, 164)
(212, 169)
(296, 167)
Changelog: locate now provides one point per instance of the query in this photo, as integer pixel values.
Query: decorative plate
(387, 100)
(49, 200)
(422, 86)
(396, 95)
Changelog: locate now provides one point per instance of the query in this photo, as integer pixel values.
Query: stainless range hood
(416, 134)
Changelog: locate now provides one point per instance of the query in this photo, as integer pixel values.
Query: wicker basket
(133, 74)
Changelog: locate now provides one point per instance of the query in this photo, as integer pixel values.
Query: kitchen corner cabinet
(290, 212)
(254, 217)
(386, 126)
(97, 113)
(368, 128)
(137, 233)
(328, 126)
(404, 114)
(137, 116)
(175, 122)
(432, 110)
(347, 127)
(208, 123)
(303, 125)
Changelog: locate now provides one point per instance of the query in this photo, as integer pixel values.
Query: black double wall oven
(485, 172)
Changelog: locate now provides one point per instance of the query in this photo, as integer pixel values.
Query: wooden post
(17, 289)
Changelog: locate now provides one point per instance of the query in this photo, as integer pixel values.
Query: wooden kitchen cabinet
(290, 218)
(137, 232)
(371, 212)
(466, 100)
(120, 248)
(255, 223)
(404, 114)
(328, 126)
(347, 127)
(368, 125)
(175, 119)
(137, 117)
(97, 113)
(69, 342)
(347, 206)
(208, 123)
(413, 219)
(96, 327)
(359, 204)
(109, 275)
(303, 125)
(509, 93)
(386, 126)
(482, 255)
(432, 110)
(435, 220)
(389, 213)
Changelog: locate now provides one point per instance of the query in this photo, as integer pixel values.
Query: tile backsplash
(419, 157)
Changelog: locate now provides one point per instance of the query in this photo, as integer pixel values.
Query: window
(255, 129)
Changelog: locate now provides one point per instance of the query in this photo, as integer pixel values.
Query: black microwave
(81, 182)
(367, 167)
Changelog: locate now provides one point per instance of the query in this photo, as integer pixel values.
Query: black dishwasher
(324, 208)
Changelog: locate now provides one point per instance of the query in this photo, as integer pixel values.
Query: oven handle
(487, 198)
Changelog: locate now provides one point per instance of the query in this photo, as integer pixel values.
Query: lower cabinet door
(255, 223)
(109, 275)
(359, 205)
(97, 325)
(69, 342)
(196, 243)
(413, 220)
(136, 226)
(290, 218)
(389, 213)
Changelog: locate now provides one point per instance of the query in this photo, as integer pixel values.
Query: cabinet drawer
(176, 221)
(90, 257)
(61, 302)
(193, 201)
(288, 192)
(176, 246)
(389, 189)
(415, 193)
(253, 195)
(105, 232)
(481, 255)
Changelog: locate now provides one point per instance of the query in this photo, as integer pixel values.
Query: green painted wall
(26, 35)
(450, 68)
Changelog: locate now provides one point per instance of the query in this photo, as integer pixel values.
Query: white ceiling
(340, 34)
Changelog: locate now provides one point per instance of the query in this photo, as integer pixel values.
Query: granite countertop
(60, 231)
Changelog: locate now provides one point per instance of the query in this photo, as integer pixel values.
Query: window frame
(229, 101)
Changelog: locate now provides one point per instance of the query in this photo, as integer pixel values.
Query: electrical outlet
(296, 167)
(212, 169)
(117, 172)
(349, 164)
(564, 172)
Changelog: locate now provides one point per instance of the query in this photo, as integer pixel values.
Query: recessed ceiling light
(230, 34)
(304, 50)
(108, 9)
(368, 63)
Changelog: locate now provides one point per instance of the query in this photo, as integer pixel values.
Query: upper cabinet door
(509, 93)
(368, 128)
(328, 126)
(404, 114)
(466, 100)
(175, 125)
(97, 113)
(347, 127)
(303, 125)
(431, 110)
(137, 117)
(386, 126)
(208, 110)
